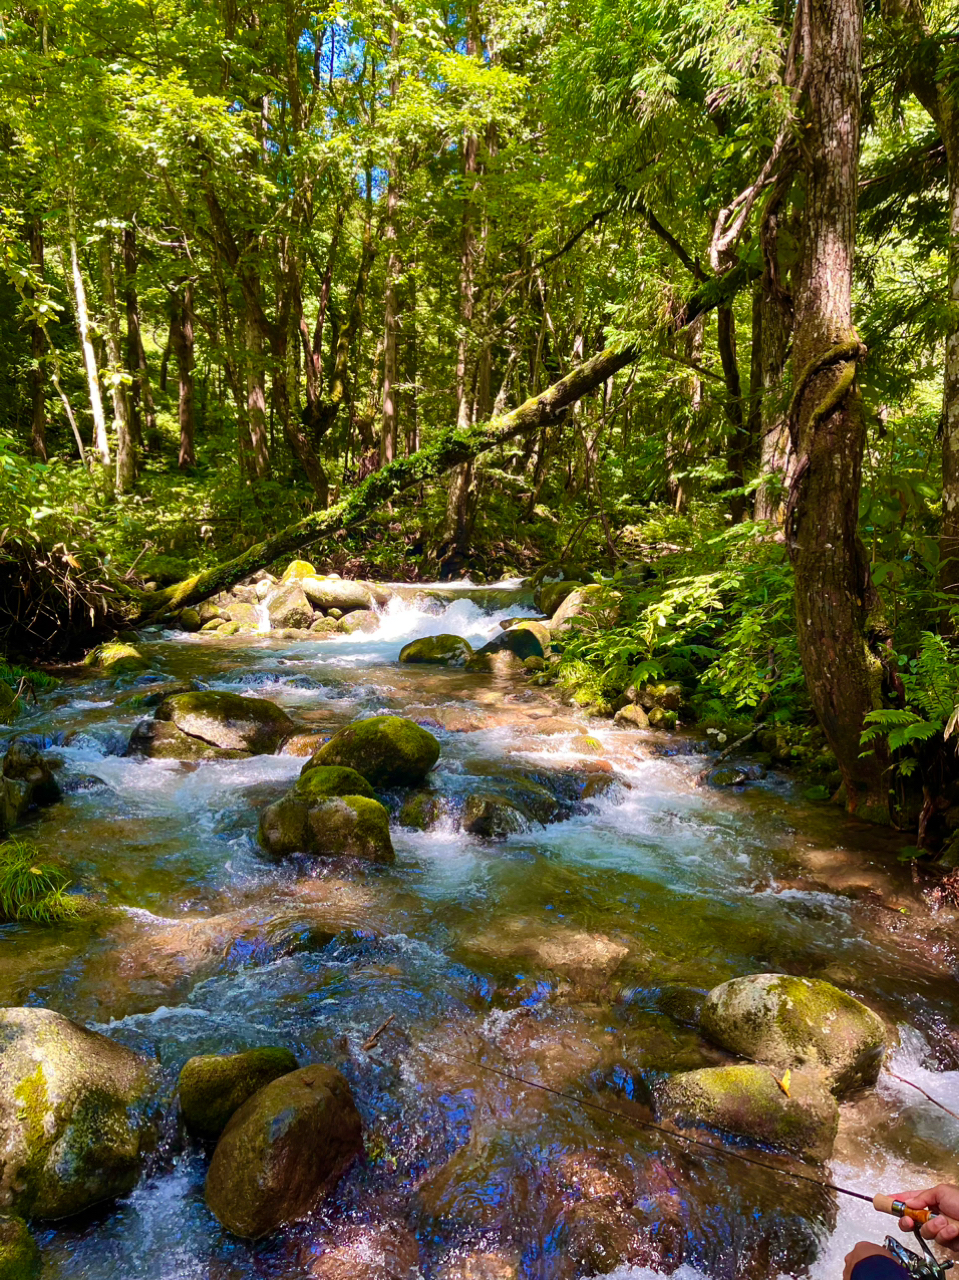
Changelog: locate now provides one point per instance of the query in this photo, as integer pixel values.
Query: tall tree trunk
(143, 423)
(101, 443)
(256, 402)
(738, 439)
(776, 455)
(836, 607)
(35, 380)
(391, 326)
(126, 453)
(181, 341)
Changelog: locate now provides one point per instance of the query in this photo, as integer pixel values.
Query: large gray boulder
(212, 1087)
(283, 1149)
(211, 725)
(797, 1023)
(337, 593)
(747, 1101)
(389, 751)
(76, 1116)
(289, 606)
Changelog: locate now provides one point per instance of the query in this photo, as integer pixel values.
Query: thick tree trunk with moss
(836, 606)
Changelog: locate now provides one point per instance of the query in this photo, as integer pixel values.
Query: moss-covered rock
(296, 570)
(389, 751)
(423, 810)
(660, 718)
(337, 593)
(75, 1115)
(339, 827)
(117, 658)
(208, 612)
(494, 658)
(667, 696)
(214, 1086)
(214, 624)
(747, 1101)
(552, 582)
(282, 1150)
(289, 607)
(365, 620)
(494, 816)
(189, 620)
(583, 600)
(797, 1023)
(444, 650)
(324, 627)
(325, 781)
(631, 717)
(529, 639)
(19, 1255)
(552, 594)
(211, 725)
(229, 628)
(245, 616)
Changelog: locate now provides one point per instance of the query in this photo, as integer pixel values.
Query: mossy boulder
(591, 599)
(338, 827)
(667, 696)
(19, 1255)
(214, 1086)
(117, 658)
(422, 810)
(245, 617)
(296, 570)
(747, 1101)
(75, 1115)
(282, 1150)
(209, 612)
(211, 725)
(389, 751)
(289, 607)
(189, 620)
(552, 594)
(444, 650)
(27, 783)
(631, 717)
(493, 658)
(365, 620)
(325, 781)
(324, 627)
(552, 582)
(494, 816)
(529, 639)
(660, 718)
(337, 593)
(797, 1023)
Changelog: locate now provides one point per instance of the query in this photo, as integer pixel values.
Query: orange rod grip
(887, 1204)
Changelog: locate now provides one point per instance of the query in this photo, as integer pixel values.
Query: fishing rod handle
(898, 1209)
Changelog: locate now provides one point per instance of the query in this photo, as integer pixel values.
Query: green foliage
(32, 890)
(931, 683)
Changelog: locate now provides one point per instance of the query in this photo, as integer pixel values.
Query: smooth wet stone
(745, 1100)
(493, 816)
(667, 696)
(797, 1023)
(212, 1087)
(296, 570)
(631, 717)
(282, 1151)
(444, 650)
(339, 827)
(245, 616)
(117, 658)
(365, 620)
(189, 620)
(325, 627)
(389, 751)
(208, 724)
(496, 660)
(587, 959)
(27, 783)
(19, 1255)
(289, 607)
(215, 624)
(208, 612)
(337, 593)
(75, 1115)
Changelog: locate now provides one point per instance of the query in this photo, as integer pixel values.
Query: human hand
(864, 1249)
(943, 1201)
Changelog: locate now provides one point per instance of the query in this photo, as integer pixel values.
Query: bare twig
(369, 1044)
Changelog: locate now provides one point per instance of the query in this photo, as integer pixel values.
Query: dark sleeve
(878, 1267)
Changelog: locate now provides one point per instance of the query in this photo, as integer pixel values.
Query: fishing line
(651, 1125)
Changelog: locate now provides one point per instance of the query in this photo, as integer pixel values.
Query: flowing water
(566, 954)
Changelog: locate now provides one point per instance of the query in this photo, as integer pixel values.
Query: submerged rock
(75, 1120)
(290, 607)
(212, 1087)
(19, 1255)
(423, 810)
(747, 1101)
(797, 1022)
(211, 725)
(444, 650)
(282, 1150)
(493, 816)
(331, 812)
(389, 751)
(384, 1251)
(586, 959)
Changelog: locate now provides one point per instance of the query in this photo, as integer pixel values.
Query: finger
(921, 1199)
(930, 1230)
(948, 1233)
(906, 1224)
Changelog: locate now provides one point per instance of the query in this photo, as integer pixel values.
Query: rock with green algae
(444, 650)
(660, 718)
(423, 810)
(389, 751)
(365, 620)
(797, 1023)
(245, 616)
(289, 607)
(27, 783)
(324, 627)
(338, 827)
(747, 1101)
(325, 781)
(117, 658)
(212, 1087)
(552, 594)
(631, 717)
(189, 620)
(214, 624)
(593, 599)
(282, 1151)
(211, 725)
(19, 1255)
(229, 628)
(296, 570)
(667, 696)
(493, 816)
(76, 1115)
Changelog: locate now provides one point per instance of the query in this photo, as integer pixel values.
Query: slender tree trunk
(101, 443)
(949, 537)
(126, 453)
(142, 412)
(738, 440)
(256, 401)
(776, 455)
(38, 409)
(181, 341)
(391, 326)
(836, 607)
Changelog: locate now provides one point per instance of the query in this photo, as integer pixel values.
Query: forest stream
(569, 954)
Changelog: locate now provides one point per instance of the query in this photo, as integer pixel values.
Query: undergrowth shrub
(31, 889)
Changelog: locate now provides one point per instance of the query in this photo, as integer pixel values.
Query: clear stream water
(497, 952)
